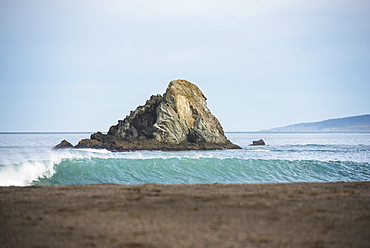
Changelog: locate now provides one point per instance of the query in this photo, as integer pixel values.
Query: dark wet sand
(218, 215)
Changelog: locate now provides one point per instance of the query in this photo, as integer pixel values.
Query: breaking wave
(88, 166)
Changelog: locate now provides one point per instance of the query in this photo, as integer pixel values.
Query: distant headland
(178, 120)
(359, 123)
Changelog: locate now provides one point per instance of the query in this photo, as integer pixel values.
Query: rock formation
(180, 120)
(64, 144)
(259, 142)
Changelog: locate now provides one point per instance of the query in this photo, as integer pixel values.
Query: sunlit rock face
(180, 120)
(183, 116)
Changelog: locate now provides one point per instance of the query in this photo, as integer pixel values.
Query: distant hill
(359, 123)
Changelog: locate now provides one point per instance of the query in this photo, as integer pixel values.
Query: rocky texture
(139, 123)
(183, 116)
(180, 120)
(63, 145)
(259, 142)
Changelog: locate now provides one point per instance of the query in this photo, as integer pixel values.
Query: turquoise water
(27, 159)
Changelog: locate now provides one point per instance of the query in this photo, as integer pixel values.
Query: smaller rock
(63, 145)
(259, 142)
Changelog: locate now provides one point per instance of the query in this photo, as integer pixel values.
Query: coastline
(207, 215)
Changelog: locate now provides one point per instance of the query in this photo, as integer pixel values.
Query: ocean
(28, 159)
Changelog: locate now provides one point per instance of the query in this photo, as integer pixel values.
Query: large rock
(183, 116)
(180, 120)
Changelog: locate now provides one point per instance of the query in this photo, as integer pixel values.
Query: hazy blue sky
(70, 65)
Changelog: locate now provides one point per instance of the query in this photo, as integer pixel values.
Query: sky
(81, 65)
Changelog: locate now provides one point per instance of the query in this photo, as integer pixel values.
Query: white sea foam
(24, 173)
(104, 154)
(24, 168)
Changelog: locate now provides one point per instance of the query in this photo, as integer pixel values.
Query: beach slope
(216, 215)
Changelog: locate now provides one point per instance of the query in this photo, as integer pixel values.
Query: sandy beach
(215, 215)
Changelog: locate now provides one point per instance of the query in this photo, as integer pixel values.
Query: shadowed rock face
(139, 123)
(180, 120)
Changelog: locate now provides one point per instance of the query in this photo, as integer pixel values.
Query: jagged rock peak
(180, 120)
(140, 122)
(183, 116)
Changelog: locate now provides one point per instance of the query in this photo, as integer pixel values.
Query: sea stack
(180, 120)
